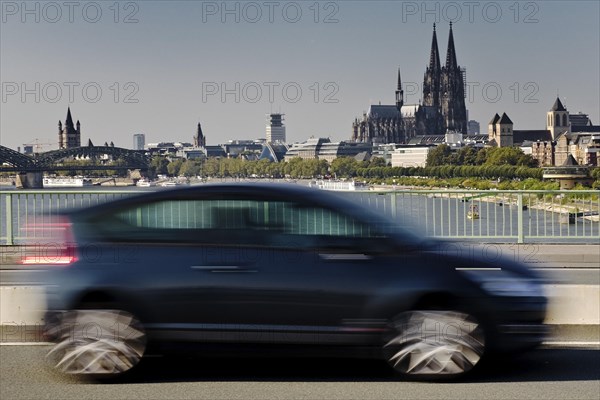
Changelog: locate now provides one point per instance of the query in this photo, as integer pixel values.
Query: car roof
(275, 191)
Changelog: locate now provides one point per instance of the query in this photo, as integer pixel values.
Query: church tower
(558, 120)
(199, 139)
(493, 136)
(505, 128)
(432, 80)
(68, 135)
(453, 91)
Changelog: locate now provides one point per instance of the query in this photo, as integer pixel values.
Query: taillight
(50, 243)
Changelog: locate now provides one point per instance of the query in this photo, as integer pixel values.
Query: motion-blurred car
(279, 268)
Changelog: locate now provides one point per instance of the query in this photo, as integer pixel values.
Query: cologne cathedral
(443, 106)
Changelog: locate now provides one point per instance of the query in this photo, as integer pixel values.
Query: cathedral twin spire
(451, 53)
(434, 56)
(444, 86)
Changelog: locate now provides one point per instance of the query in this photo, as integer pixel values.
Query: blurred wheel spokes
(98, 342)
(435, 343)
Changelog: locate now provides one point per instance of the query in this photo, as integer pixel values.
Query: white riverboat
(337, 185)
(66, 182)
(145, 183)
(170, 184)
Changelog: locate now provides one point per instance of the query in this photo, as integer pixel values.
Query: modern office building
(410, 156)
(473, 127)
(139, 141)
(275, 128)
(324, 149)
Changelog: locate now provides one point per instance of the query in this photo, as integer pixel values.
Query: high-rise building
(275, 128)
(139, 141)
(69, 135)
(473, 127)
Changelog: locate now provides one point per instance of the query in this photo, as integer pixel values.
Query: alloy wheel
(98, 343)
(443, 344)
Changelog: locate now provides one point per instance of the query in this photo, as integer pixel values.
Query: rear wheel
(431, 344)
(100, 343)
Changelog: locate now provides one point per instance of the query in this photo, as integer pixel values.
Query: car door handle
(222, 268)
(345, 256)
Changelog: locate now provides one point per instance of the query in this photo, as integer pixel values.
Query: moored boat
(66, 182)
(473, 212)
(145, 183)
(337, 185)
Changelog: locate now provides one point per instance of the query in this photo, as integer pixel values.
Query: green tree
(439, 155)
(505, 156)
(174, 167)
(158, 165)
(190, 168)
(377, 162)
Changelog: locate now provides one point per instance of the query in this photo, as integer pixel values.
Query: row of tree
(444, 155)
(342, 167)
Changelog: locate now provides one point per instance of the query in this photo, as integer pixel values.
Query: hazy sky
(159, 68)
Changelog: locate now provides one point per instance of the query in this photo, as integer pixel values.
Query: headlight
(502, 283)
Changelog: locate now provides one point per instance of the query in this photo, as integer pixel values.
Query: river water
(434, 214)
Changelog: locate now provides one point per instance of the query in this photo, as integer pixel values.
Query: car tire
(98, 342)
(434, 344)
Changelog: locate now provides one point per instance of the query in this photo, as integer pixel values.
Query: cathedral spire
(451, 55)
(399, 93)
(434, 57)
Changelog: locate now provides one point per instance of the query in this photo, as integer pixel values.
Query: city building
(139, 141)
(324, 149)
(69, 135)
(473, 127)
(243, 148)
(443, 106)
(274, 152)
(410, 156)
(275, 128)
(565, 136)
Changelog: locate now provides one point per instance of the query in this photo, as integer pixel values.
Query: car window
(195, 214)
(317, 221)
(231, 221)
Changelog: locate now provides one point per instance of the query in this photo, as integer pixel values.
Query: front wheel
(434, 344)
(99, 343)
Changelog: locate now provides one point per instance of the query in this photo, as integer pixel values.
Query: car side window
(194, 214)
(317, 221)
(226, 221)
(233, 222)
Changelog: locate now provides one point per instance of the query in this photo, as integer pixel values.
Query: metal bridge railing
(493, 215)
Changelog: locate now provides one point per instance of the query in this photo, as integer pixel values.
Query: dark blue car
(276, 268)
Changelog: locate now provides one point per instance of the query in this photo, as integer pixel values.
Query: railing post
(393, 204)
(9, 232)
(520, 227)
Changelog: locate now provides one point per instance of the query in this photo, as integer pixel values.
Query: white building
(410, 156)
(139, 141)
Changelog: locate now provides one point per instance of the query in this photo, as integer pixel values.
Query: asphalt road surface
(549, 373)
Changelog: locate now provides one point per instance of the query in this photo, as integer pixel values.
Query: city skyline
(180, 65)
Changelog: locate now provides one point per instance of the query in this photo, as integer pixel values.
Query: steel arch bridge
(13, 161)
